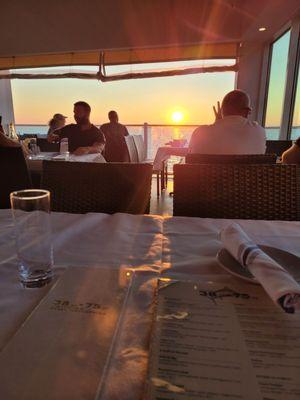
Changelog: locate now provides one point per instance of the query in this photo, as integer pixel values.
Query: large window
(295, 132)
(277, 82)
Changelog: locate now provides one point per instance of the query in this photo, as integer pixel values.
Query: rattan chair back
(45, 146)
(78, 187)
(268, 192)
(277, 146)
(14, 173)
(230, 159)
(28, 136)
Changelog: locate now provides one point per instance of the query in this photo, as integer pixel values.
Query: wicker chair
(277, 146)
(45, 146)
(230, 159)
(140, 146)
(132, 150)
(14, 173)
(78, 187)
(28, 136)
(270, 192)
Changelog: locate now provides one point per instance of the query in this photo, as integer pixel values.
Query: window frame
(293, 69)
(266, 73)
(296, 75)
(291, 82)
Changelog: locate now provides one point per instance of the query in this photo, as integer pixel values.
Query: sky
(151, 100)
(296, 119)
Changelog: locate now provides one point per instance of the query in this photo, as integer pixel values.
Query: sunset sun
(177, 116)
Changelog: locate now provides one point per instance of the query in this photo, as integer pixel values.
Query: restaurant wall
(249, 76)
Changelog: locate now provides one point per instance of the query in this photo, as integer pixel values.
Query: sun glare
(177, 116)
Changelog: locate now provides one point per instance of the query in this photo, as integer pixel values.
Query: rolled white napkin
(277, 282)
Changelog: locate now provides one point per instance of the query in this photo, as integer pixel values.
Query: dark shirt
(80, 138)
(115, 144)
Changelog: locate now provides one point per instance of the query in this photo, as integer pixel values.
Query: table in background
(163, 153)
(35, 162)
(159, 163)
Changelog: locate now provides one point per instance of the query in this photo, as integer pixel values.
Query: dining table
(152, 246)
(35, 161)
(164, 153)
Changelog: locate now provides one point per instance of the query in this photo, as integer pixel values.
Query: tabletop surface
(149, 244)
(35, 162)
(164, 152)
(94, 157)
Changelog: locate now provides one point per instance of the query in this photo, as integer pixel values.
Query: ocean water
(157, 135)
(41, 130)
(273, 133)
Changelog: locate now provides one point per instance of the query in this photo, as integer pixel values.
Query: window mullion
(290, 87)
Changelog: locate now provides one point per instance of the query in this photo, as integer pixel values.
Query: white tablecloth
(148, 244)
(95, 157)
(191, 244)
(79, 240)
(163, 153)
(35, 162)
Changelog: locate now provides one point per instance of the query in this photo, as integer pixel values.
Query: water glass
(31, 215)
(33, 147)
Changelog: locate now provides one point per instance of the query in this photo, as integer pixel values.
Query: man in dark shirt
(83, 137)
(115, 145)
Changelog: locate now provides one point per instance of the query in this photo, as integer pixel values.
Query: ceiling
(31, 27)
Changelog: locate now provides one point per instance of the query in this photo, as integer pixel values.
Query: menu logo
(221, 294)
(87, 308)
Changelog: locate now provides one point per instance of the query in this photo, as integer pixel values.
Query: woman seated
(57, 122)
(292, 155)
(7, 142)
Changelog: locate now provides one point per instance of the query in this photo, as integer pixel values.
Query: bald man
(232, 132)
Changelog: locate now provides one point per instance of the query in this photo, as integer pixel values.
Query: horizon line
(155, 124)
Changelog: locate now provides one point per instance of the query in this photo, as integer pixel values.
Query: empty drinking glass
(31, 214)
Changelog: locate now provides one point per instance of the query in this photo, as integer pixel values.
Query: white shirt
(233, 134)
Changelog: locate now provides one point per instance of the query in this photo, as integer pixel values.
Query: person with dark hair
(292, 155)
(83, 137)
(115, 145)
(56, 122)
(232, 132)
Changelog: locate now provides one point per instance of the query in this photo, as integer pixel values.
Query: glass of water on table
(31, 215)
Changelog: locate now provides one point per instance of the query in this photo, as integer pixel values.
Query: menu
(218, 341)
(62, 351)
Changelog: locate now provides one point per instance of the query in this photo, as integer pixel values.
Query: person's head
(82, 112)
(236, 102)
(58, 121)
(298, 142)
(113, 116)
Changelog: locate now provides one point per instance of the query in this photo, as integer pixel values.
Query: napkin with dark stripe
(277, 282)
